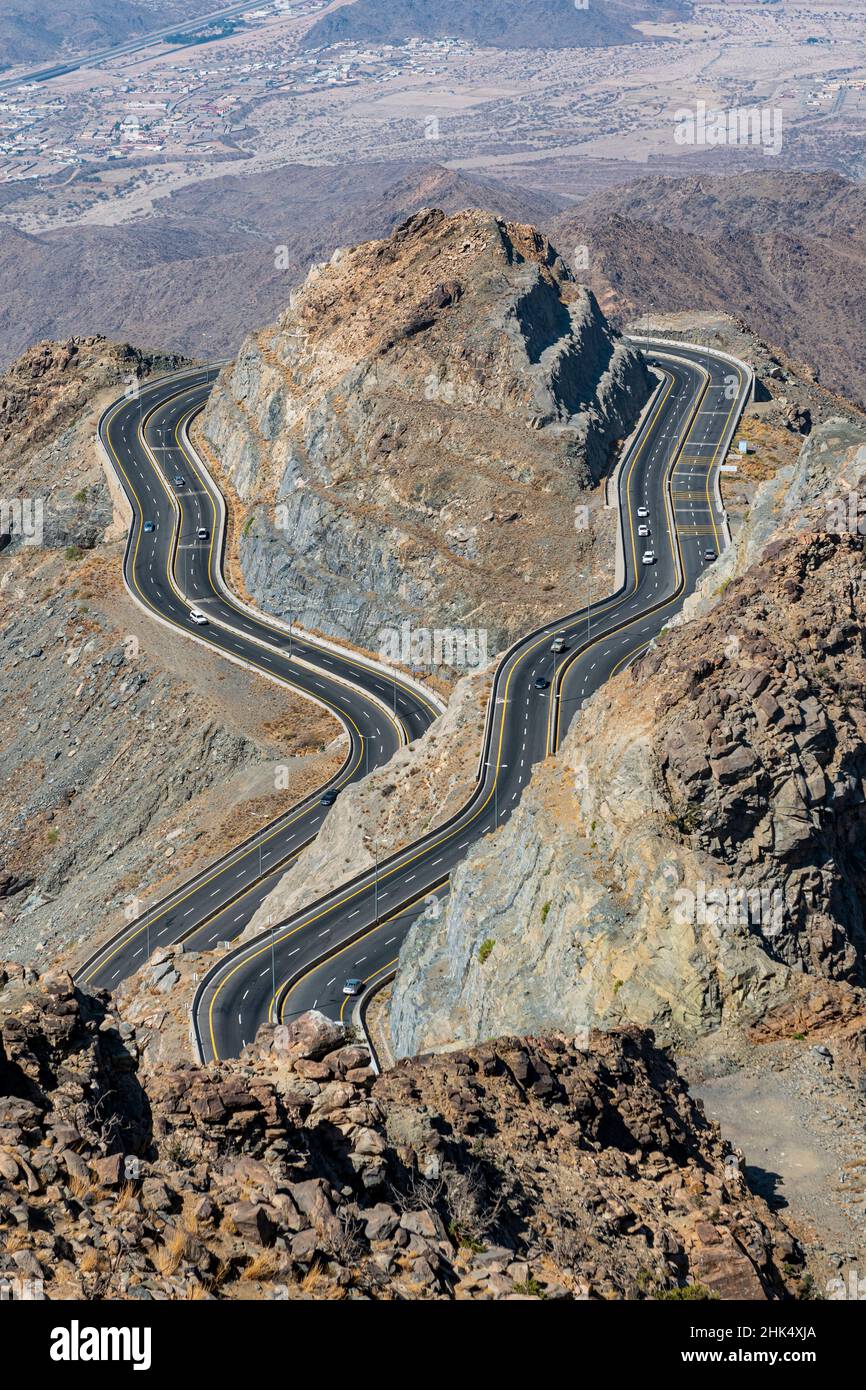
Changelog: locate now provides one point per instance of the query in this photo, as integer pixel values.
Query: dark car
(327, 798)
(541, 683)
(149, 526)
(179, 481)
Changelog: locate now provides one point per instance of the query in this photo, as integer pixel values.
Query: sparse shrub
(485, 948)
(686, 1293)
(531, 1287)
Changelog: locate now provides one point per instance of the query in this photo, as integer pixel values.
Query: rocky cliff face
(523, 1168)
(693, 856)
(420, 396)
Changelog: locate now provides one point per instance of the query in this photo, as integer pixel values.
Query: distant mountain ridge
(787, 253)
(153, 280)
(493, 23)
(75, 26)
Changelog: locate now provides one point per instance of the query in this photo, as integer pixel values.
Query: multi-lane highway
(669, 475)
(119, 50)
(172, 566)
(666, 487)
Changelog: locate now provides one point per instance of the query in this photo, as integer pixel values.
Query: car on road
(202, 533)
(541, 683)
(558, 643)
(149, 526)
(643, 530)
(353, 986)
(710, 555)
(179, 481)
(649, 557)
(643, 511)
(196, 616)
(327, 798)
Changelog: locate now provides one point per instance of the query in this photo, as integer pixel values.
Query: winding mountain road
(670, 471)
(170, 570)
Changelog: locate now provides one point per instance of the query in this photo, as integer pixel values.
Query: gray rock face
(693, 851)
(419, 395)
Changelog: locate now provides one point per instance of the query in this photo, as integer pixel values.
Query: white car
(202, 533)
(649, 557)
(353, 986)
(643, 511)
(643, 530)
(196, 616)
(558, 644)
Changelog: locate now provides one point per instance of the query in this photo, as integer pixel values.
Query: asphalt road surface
(669, 474)
(133, 45)
(172, 569)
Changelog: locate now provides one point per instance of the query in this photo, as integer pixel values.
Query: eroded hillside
(115, 736)
(693, 855)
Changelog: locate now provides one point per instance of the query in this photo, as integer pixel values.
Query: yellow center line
(463, 826)
(404, 864)
(676, 553)
(629, 656)
(347, 946)
(263, 619)
(368, 980)
(293, 816)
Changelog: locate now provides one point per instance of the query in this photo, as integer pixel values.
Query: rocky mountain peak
(469, 291)
(417, 390)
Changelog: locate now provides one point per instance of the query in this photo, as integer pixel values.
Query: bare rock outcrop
(419, 396)
(528, 1167)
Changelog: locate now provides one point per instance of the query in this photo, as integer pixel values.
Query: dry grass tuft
(264, 1266)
